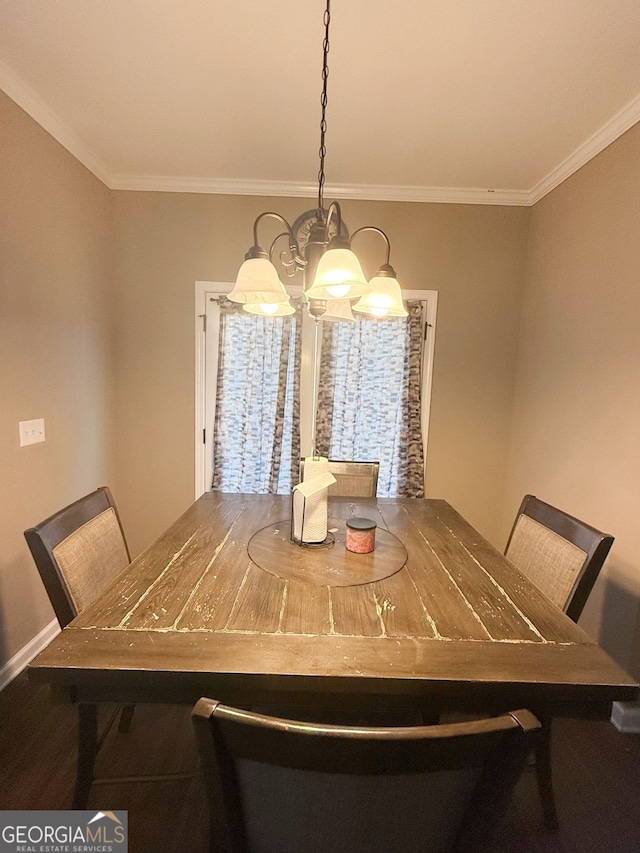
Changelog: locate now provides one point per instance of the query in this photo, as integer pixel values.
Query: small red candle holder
(360, 535)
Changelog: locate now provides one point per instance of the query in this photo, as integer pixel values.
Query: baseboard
(14, 667)
(625, 716)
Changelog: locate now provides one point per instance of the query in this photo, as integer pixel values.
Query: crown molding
(364, 192)
(437, 195)
(213, 186)
(608, 133)
(27, 100)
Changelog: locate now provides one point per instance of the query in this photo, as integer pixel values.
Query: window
(253, 404)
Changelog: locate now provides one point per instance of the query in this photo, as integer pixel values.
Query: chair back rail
(274, 783)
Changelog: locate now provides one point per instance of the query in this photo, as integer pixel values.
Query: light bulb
(379, 312)
(338, 275)
(380, 301)
(338, 290)
(269, 309)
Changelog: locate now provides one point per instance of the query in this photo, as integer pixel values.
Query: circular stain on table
(273, 551)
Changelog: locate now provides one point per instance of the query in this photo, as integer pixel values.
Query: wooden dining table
(223, 604)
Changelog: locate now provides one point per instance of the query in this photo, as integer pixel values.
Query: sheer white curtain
(369, 398)
(257, 420)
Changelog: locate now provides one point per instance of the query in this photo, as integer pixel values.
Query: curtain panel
(256, 442)
(369, 398)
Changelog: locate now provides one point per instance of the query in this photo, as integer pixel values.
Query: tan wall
(473, 255)
(576, 430)
(55, 341)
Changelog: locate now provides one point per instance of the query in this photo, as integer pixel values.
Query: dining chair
(78, 552)
(563, 557)
(279, 784)
(353, 479)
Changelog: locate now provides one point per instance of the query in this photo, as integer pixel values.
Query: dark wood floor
(597, 772)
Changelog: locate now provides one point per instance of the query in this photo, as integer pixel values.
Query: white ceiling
(487, 101)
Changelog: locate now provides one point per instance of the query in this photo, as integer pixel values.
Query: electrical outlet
(31, 432)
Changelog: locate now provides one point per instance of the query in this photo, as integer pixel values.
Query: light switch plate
(31, 432)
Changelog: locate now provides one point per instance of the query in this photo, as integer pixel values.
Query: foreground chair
(78, 552)
(280, 785)
(354, 479)
(563, 557)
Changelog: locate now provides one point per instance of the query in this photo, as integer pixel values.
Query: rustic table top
(193, 615)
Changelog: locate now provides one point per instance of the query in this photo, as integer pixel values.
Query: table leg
(544, 776)
(87, 750)
(126, 715)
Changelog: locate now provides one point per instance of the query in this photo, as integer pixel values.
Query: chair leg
(87, 750)
(544, 777)
(126, 715)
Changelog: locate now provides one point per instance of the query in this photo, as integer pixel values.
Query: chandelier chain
(323, 102)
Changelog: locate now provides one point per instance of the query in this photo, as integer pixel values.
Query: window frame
(206, 351)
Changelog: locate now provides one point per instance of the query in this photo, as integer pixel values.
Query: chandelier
(318, 244)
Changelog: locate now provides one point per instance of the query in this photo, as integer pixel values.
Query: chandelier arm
(292, 261)
(294, 248)
(334, 211)
(275, 240)
(378, 231)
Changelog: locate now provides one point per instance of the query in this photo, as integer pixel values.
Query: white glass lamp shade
(384, 300)
(258, 283)
(338, 276)
(338, 311)
(272, 309)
